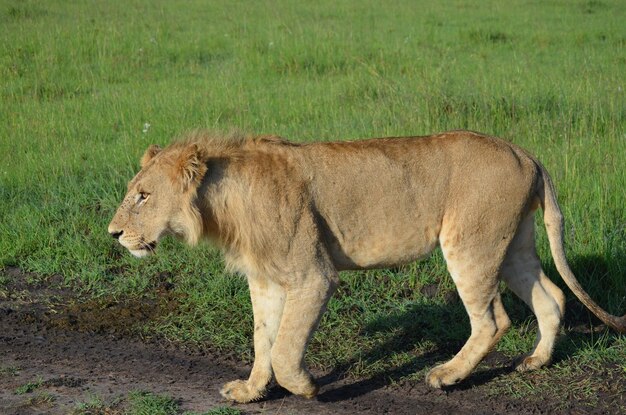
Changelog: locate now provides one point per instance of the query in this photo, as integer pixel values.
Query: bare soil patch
(73, 351)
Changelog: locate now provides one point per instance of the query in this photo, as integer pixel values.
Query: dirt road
(72, 366)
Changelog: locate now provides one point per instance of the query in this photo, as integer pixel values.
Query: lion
(290, 216)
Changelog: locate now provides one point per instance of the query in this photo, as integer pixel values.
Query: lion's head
(161, 199)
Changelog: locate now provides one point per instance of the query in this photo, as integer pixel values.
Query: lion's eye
(141, 197)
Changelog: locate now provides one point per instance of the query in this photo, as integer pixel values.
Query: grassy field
(143, 403)
(86, 86)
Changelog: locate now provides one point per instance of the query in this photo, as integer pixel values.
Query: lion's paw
(307, 389)
(240, 392)
(311, 392)
(443, 375)
(525, 364)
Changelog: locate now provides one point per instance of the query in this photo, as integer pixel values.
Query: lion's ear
(191, 166)
(152, 151)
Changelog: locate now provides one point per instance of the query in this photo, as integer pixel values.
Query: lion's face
(160, 200)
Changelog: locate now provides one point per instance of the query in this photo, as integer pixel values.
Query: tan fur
(290, 216)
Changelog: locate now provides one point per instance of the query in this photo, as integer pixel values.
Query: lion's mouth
(151, 246)
(145, 249)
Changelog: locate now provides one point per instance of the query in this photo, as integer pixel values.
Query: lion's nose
(116, 234)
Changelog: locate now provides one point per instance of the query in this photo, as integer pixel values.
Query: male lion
(290, 216)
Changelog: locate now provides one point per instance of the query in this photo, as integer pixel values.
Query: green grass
(143, 403)
(94, 406)
(9, 371)
(81, 81)
(28, 387)
(146, 403)
(45, 399)
(601, 357)
(220, 410)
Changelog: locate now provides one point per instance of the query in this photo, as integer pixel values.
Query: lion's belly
(380, 248)
(379, 207)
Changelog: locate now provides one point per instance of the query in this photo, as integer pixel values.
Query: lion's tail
(553, 219)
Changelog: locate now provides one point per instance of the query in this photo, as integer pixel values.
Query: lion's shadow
(414, 327)
(446, 327)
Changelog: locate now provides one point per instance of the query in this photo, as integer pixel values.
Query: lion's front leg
(268, 300)
(304, 307)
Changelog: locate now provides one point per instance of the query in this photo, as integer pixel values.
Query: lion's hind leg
(489, 322)
(475, 276)
(523, 274)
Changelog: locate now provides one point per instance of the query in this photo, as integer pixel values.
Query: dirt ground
(47, 337)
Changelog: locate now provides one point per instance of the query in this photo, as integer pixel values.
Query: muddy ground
(73, 355)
